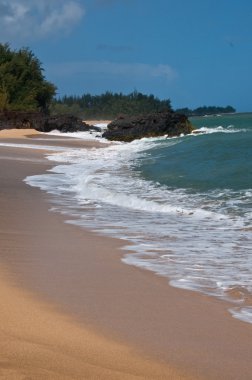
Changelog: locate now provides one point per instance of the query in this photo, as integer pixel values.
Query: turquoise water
(184, 204)
(219, 159)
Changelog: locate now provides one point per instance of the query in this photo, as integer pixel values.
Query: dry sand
(118, 315)
(17, 133)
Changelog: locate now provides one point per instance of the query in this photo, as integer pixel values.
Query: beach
(71, 308)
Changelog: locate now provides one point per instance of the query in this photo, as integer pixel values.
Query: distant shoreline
(221, 114)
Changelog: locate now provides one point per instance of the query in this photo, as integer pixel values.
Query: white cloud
(13, 13)
(62, 19)
(138, 70)
(30, 19)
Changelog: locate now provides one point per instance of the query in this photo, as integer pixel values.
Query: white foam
(103, 126)
(186, 238)
(243, 314)
(89, 135)
(218, 129)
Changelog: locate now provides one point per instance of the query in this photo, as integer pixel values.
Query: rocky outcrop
(150, 125)
(42, 122)
(65, 124)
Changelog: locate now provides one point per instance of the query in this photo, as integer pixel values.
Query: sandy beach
(94, 122)
(70, 309)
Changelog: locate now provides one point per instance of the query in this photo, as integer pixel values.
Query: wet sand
(79, 274)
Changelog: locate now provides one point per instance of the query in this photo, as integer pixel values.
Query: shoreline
(39, 338)
(185, 330)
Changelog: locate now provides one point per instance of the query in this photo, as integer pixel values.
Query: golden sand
(39, 343)
(17, 133)
(94, 122)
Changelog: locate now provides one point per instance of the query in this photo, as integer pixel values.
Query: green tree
(206, 110)
(109, 105)
(22, 82)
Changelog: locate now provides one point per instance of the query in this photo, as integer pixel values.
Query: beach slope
(37, 341)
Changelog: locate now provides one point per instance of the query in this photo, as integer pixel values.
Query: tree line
(109, 105)
(23, 87)
(206, 110)
(22, 83)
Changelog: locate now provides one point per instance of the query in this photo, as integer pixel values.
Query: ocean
(183, 204)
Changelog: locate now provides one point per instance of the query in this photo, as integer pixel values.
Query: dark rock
(64, 124)
(150, 125)
(43, 123)
(18, 120)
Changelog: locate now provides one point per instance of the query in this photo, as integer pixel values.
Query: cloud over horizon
(33, 19)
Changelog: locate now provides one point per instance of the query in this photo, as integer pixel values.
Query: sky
(193, 52)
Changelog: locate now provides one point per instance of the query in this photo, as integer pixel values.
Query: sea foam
(199, 241)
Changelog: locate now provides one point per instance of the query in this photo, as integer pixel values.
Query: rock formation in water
(150, 125)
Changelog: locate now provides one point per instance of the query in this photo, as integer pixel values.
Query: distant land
(206, 110)
(23, 88)
(109, 105)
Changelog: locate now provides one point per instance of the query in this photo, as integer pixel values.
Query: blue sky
(195, 53)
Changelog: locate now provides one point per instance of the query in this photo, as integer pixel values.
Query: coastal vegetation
(23, 87)
(27, 100)
(109, 105)
(22, 83)
(206, 110)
